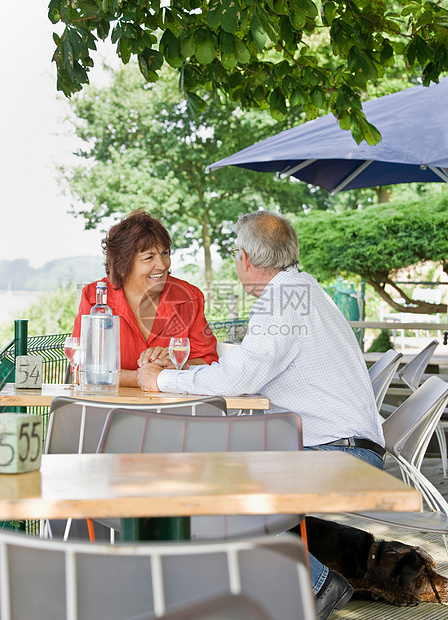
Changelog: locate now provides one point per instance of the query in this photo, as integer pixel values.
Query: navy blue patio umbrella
(414, 146)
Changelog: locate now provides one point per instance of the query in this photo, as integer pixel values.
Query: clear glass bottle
(99, 369)
(101, 306)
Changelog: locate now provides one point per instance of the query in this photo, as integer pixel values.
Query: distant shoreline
(12, 302)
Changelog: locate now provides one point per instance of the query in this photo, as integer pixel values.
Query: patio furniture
(410, 374)
(407, 432)
(10, 397)
(75, 426)
(131, 431)
(381, 374)
(53, 580)
(229, 606)
(180, 484)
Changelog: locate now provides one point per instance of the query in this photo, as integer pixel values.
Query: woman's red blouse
(180, 313)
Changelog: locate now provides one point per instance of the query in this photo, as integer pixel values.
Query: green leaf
(195, 103)
(371, 134)
(267, 24)
(242, 53)
(281, 7)
(343, 34)
(224, 13)
(257, 32)
(298, 20)
(317, 98)
(187, 47)
(361, 65)
(231, 15)
(169, 45)
(124, 50)
(205, 51)
(277, 105)
(154, 59)
(329, 12)
(67, 51)
(387, 54)
(215, 13)
(307, 7)
(298, 96)
(344, 121)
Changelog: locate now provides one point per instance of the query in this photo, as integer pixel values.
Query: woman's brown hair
(137, 232)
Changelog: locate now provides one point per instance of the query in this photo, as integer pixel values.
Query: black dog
(391, 571)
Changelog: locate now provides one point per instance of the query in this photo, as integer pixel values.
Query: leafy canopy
(376, 242)
(259, 53)
(140, 148)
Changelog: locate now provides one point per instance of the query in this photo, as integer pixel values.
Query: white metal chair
(381, 374)
(129, 431)
(407, 432)
(75, 426)
(55, 580)
(411, 375)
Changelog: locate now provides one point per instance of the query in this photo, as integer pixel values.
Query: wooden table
(186, 484)
(12, 397)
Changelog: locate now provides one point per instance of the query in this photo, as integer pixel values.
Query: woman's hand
(157, 355)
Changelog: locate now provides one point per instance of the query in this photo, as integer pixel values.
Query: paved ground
(366, 610)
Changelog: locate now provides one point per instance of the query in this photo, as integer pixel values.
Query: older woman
(152, 305)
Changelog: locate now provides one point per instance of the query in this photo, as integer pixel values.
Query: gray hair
(268, 239)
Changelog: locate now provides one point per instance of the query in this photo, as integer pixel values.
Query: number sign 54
(28, 371)
(20, 442)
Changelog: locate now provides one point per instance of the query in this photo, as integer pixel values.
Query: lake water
(12, 302)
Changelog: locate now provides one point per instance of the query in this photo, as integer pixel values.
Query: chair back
(408, 430)
(75, 425)
(52, 580)
(412, 372)
(144, 431)
(381, 374)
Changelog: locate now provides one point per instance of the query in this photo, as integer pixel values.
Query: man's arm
(262, 355)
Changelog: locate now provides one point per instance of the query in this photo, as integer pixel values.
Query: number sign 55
(20, 442)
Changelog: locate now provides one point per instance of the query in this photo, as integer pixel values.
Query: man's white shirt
(301, 353)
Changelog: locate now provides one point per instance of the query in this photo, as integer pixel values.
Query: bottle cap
(101, 285)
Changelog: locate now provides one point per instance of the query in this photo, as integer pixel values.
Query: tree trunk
(418, 307)
(383, 194)
(206, 240)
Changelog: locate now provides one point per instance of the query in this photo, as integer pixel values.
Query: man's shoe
(334, 594)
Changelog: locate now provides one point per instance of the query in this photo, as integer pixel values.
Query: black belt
(354, 442)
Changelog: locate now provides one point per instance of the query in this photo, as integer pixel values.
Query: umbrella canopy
(414, 146)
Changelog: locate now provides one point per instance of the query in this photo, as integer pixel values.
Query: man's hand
(147, 377)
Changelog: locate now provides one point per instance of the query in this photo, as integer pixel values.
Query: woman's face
(149, 272)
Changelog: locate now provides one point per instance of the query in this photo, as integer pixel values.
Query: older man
(300, 352)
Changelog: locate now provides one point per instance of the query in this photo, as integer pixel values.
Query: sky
(34, 219)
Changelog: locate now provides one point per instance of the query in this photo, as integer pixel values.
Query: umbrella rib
(440, 172)
(288, 172)
(351, 176)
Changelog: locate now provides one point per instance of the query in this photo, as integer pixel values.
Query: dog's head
(408, 568)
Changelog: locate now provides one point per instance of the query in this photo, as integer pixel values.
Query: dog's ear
(396, 563)
(408, 568)
(425, 555)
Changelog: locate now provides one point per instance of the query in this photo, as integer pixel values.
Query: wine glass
(72, 351)
(179, 351)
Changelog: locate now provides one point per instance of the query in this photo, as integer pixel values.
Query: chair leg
(441, 438)
(445, 541)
